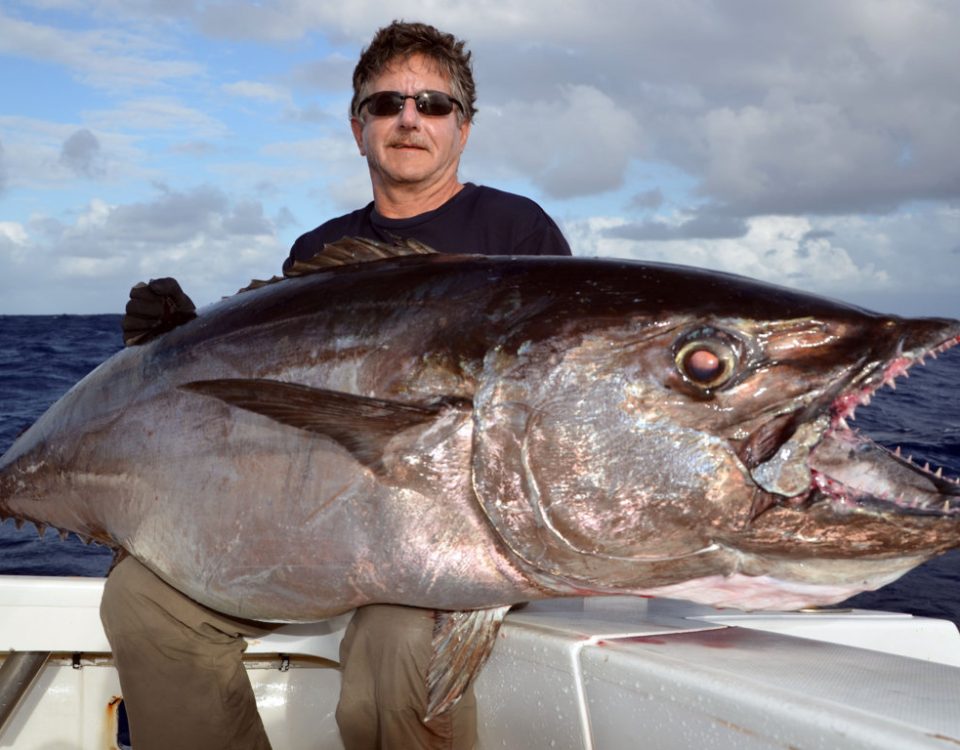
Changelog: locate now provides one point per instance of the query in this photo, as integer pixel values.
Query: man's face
(411, 149)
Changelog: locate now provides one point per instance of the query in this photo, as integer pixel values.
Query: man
(412, 108)
(179, 663)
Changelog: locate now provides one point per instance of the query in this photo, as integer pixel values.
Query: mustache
(407, 142)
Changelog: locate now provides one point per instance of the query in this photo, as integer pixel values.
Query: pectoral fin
(462, 641)
(362, 425)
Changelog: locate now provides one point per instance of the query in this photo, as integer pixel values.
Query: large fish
(464, 433)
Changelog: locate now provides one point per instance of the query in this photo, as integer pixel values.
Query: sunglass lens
(385, 103)
(390, 103)
(434, 103)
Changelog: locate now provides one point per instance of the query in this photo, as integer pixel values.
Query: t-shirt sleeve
(306, 247)
(545, 239)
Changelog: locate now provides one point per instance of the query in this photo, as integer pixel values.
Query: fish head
(697, 432)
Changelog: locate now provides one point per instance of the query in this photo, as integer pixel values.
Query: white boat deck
(667, 674)
(591, 674)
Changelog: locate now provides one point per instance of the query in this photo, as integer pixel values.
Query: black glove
(155, 308)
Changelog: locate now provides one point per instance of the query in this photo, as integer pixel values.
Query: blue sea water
(41, 357)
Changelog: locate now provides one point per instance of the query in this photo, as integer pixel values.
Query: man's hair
(401, 40)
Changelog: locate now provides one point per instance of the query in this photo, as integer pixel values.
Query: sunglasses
(390, 103)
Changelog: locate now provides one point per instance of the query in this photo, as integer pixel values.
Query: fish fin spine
(462, 643)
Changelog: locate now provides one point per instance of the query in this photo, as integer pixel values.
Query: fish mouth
(850, 472)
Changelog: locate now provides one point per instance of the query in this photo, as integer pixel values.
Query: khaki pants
(385, 654)
(184, 685)
(181, 666)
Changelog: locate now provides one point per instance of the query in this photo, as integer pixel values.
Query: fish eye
(706, 360)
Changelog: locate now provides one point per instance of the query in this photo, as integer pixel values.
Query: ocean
(41, 357)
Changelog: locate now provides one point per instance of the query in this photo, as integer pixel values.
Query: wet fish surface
(467, 432)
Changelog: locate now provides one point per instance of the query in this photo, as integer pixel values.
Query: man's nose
(409, 115)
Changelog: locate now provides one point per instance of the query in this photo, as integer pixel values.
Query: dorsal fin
(346, 252)
(257, 283)
(351, 250)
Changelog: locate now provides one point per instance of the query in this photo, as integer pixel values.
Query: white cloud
(212, 244)
(329, 73)
(331, 165)
(49, 156)
(584, 141)
(779, 249)
(816, 156)
(157, 114)
(104, 57)
(257, 90)
(79, 267)
(819, 106)
(12, 234)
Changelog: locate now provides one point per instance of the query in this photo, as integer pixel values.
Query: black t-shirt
(477, 220)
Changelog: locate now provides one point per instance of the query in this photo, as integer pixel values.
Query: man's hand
(155, 308)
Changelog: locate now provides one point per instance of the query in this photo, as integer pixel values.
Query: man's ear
(357, 127)
(464, 134)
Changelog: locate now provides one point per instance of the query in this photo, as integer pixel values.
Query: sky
(813, 144)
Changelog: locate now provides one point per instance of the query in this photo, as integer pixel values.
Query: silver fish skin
(459, 432)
